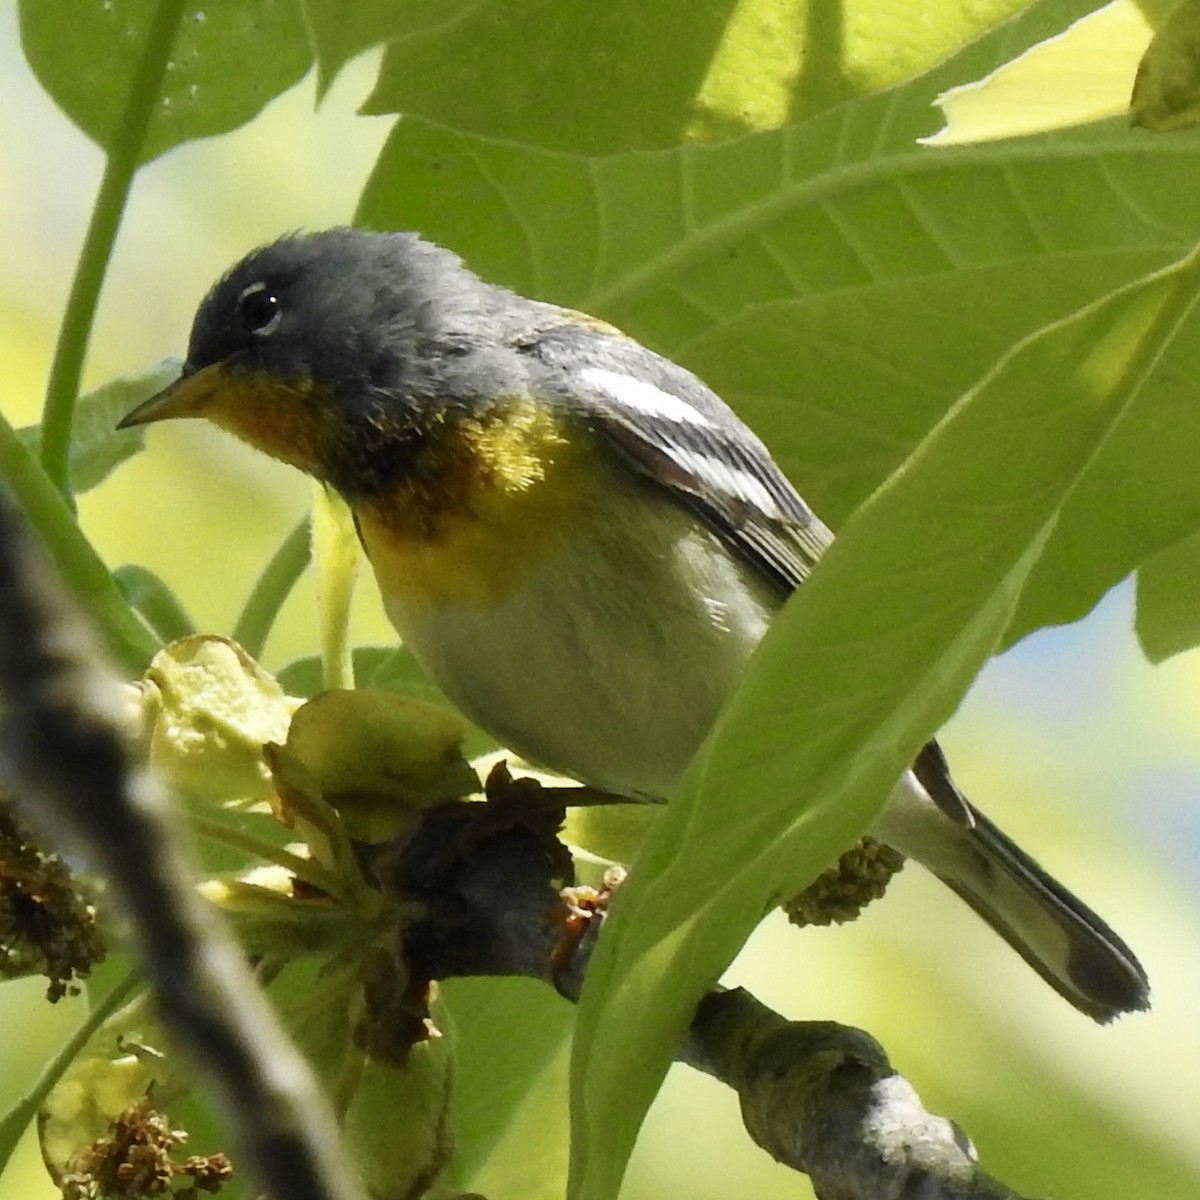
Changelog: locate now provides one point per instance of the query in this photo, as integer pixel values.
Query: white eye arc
(259, 309)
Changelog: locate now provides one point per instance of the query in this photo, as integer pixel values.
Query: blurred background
(1072, 742)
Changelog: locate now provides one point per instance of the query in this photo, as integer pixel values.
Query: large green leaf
(841, 293)
(868, 659)
(631, 74)
(226, 61)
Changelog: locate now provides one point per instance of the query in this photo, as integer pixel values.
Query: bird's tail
(1070, 947)
(1052, 930)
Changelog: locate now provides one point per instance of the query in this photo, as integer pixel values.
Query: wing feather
(676, 431)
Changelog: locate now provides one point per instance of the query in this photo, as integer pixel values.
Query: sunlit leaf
(1083, 74)
(86, 1102)
(597, 79)
(104, 1002)
(212, 709)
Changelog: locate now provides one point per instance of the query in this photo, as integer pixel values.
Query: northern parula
(580, 542)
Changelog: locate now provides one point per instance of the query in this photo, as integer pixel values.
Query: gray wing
(676, 431)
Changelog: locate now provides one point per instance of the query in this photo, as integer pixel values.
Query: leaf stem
(336, 556)
(303, 868)
(124, 158)
(83, 572)
(272, 589)
(17, 1119)
(158, 605)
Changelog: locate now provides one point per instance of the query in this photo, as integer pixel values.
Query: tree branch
(820, 1097)
(65, 737)
(823, 1098)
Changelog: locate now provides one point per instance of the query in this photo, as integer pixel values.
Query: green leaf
(594, 79)
(377, 757)
(396, 1121)
(510, 1097)
(841, 286)
(1082, 74)
(160, 607)
(868, 659)
(97, 446)
(376, 666)
(1168, 600)
(1138, 499)
(391, 667)
(397, 1124)
(1166, 93)
(227, 60)
(14, 1122)
(341, 29)
(210, 710)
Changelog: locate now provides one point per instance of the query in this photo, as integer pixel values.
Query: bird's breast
(566, 604)
(484, 502)
(609, 661)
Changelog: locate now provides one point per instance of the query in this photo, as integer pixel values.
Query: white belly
(613, 665)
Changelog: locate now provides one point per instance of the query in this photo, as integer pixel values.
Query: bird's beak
(282, 418)
(189, 396)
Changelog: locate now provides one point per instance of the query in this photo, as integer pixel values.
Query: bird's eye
(259, 309)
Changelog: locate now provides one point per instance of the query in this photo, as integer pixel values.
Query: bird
(578, 540)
